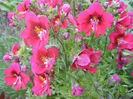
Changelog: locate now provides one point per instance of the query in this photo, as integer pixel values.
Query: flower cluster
(119, 38)
(45, 19)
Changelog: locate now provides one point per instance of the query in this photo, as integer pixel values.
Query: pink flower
(41, 84)
(11, 16)
(74, 21)
(58, 21)
(122, 40)
(41, 1)
(14, 53)
(23, 8)
(15, 49)
(94, 19)
(77, 90)
(43, 59)
(67, 35)
(65, 9)
(15, 77)
(130, 14)
(115, 78)
(85, 58)
(36, 30)
(7, 57)
(11, 24)
(132, 73)
(53, 3)
(122, 6)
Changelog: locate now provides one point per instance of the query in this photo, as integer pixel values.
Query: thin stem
(73, 2)
(105, 45)
(63, 49)
(93, 84)
(61, 43)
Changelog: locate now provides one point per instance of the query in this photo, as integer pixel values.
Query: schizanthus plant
(45, 20)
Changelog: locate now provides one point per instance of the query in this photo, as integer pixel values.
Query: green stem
(93, 84)
(105, 45)
(128, 92)
(61, 43)
(73, 2)
(72, 77)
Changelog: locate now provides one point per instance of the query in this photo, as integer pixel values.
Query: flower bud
(65, 9)
(77, 90)
(67, 35)
(23, 68)
(115, 78)
(84, 46)
(7, 57)
(78, 37)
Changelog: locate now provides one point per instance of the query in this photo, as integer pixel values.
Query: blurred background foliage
(10, 35)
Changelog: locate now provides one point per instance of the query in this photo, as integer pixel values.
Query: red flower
(58, 20)
(15, 77)
(123, 23)
(115, 38)
(23, 8)
(85, 58)
(41, 84)
(36, 30)
(53, 3)
(110, 2)
(94, 19)
(126, 42)
(43, 59)
(122, 40)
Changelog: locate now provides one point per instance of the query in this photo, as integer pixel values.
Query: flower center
(16, 52)
(41, 32)
(15, 75)
(18, 80)
(38, 29)
(42, 78)
(118, 39)
(44, 58)
(57, 20)
(45, 61)
(94, 21)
